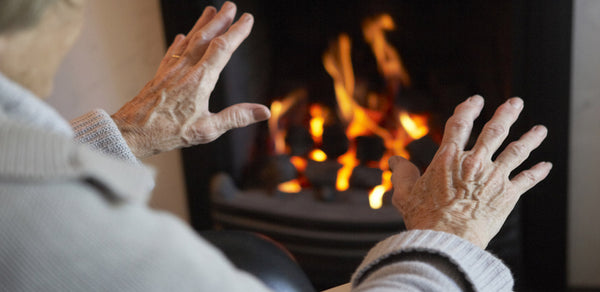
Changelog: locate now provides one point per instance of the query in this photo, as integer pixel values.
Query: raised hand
(171, 111)
(464, 192)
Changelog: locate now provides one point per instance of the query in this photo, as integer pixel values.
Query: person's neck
(19, 104)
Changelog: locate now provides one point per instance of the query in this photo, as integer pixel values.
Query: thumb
(241, 115)
(404, 177)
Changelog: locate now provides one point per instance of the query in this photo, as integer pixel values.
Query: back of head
(18, 14)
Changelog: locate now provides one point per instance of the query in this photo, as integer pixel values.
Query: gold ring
(176, 56)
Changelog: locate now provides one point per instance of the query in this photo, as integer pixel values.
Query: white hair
(19, 14)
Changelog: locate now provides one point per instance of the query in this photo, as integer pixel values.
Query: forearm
(99, 131)
(430, 261)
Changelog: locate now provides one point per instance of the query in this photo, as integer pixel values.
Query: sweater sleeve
(425, 260)
(99, 131)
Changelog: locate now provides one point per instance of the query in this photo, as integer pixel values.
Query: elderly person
(72, 196)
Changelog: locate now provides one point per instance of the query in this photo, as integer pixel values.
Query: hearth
(314, 64)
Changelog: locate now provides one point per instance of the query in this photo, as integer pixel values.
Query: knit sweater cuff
(98, 130)
(480, 268)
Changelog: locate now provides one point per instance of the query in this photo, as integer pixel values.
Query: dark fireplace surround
(452, 49)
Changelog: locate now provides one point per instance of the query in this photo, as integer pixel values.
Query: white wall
(584, 180)
(117, 53)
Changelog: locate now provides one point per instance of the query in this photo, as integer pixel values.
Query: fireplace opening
(350, 83)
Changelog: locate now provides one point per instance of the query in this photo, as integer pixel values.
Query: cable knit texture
(484, 271)
(99, 131)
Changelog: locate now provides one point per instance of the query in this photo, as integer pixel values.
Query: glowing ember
(292, 186)
(299, 163)
(317, 155)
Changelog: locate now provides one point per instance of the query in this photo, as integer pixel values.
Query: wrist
(463, 231)
(131, 136)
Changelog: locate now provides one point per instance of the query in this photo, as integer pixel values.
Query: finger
(207, 15)
(529, 178)
(173, 49)
(201, 38)
(404, 177)
(220, 49)
(496, 129)
(205, 130)
(240, 115)
(517, 151)
(459, 125)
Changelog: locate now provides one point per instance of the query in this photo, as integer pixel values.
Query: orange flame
(338, 64)
(278, 136)
(278, 109)
(415, 126)
(388, 60)
(376, 194)
(316, 122)
(349, 162)
(376, 197)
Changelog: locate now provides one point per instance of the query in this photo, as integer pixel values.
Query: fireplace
(449, 50)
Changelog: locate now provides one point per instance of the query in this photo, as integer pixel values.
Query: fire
(278, 136)
(316, 122)
(376, 194)
(415, 126)
(338, 64)
(299, 163)
(278, 109)
(317, 155)
(388, 60)
(292, 186)
(349, 162)
(359, 120)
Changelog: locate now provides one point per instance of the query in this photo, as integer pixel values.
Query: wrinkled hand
(464, 192)
(171, 111)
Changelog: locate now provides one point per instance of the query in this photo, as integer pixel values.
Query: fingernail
(247, 17)
(261, 114)
(227, 6)
(208, 9)
(476, 99)
(540, 128)
(516, 102)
